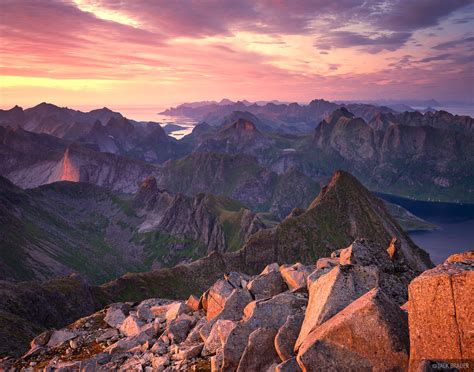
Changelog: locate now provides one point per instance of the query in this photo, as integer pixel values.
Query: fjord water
(455, 223)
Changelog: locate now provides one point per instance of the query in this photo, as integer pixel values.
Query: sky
(152, 53)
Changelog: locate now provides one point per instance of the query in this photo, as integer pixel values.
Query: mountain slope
(239, 177)
(413, 160)
(66, 227)
(30, 159)
(343, 211)
(108, 131)
(277, 117)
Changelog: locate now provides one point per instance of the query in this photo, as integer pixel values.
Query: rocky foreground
(346, 312)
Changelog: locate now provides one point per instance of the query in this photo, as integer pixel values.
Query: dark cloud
(371, 43)
(439, 57)
(455, 43)
(390, 21)
(410, 15)
(222, 17)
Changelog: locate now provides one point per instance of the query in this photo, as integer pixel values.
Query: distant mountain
(239, 137)
(428, 156)
(108, 130)
(31, 159)
(66, 227)
(58, 121)
(278, 117)
(343, 210)
(239, 177)
(431, 118)
(170, 128)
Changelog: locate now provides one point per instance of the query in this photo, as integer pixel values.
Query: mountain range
(343, 210)
(97, 208)
(66, 227)
(386, 152)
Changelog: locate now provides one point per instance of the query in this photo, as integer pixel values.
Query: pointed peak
(341, 112)
(341, 180)
(225, 101)
(46, 105)
(16, 108)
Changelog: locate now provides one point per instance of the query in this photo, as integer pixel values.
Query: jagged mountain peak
(343, 211)
(341, 112)
(340, 179)
(16, 108)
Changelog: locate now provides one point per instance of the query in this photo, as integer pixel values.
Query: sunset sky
(159, 53)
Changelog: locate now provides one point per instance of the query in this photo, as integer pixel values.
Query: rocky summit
(340, 313)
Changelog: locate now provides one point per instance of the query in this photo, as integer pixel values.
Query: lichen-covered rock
(440, 312)
(116, 314)
(178, 329)
(365, 253)
(289, 365)
(259, 354)
(218, 336)
(464, 257)
(193, 303)
(272, 313)
(226, 302)
(287, 335)
(371, 333)
(333, 291)
(131, 325)
(327, 262)
(295, 275)
(269, 283)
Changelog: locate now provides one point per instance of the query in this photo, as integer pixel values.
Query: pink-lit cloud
(152, 52)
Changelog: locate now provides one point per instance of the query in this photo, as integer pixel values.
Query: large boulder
(295, 275)
(116, 314)
(269, 313)
(225, 301)
(272, 313)
(218, 336)
(178, 329)
(259, 354)
(59, 337)
(144, 308)
(369, 334)
(131, 325)
(234, 347)
(269, 283)
(365, 252)
(332, 292)
(287, 335)
(176, 309)
(290, 365)
(441, 312)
